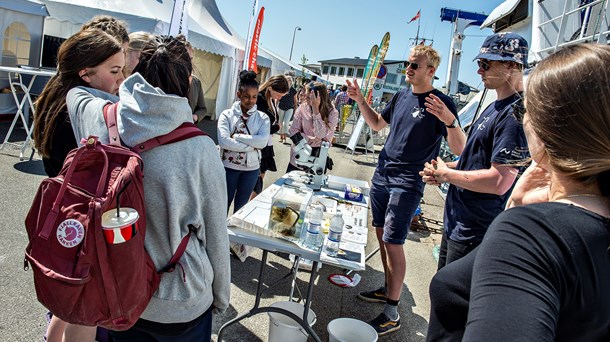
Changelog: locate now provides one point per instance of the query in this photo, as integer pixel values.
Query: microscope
(315, 165)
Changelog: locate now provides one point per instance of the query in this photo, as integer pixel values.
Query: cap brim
(491, 57)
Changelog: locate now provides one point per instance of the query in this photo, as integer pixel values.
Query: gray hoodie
(183, 184)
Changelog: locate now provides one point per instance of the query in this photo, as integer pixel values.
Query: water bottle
(334, 235)
(312, 237)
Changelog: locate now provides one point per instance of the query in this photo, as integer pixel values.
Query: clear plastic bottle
(334, 235)
(312, 237)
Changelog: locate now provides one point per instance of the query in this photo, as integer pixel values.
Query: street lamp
(292, 45)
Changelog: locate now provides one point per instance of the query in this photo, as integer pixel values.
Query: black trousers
(453, 250)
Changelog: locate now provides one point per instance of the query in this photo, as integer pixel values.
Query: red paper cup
(120, 228)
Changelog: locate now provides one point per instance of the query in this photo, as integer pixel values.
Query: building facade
(390, 80)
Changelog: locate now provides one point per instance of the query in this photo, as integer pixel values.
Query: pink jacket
(313, 128)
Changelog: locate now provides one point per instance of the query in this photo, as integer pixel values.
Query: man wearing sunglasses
(481, 182)
(419, 118)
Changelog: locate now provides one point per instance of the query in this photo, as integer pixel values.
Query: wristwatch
(454, 124)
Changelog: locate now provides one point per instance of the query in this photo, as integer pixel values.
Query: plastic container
(353, 193)
(312, 235)
(350, 330)
(283, 328)
(334, 235)
(288, 208)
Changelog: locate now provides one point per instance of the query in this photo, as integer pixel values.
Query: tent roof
(280, 64)
(25, 6)
(149, 16)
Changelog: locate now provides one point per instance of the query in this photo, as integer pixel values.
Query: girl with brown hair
(269, 95)
(316, 119)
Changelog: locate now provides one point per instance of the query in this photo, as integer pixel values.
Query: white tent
(219, 49)
(21, 27)
(280, 65)
(22, 21)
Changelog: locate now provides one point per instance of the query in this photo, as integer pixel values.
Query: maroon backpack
(83, 274)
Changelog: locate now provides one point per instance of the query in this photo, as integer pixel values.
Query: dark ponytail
(166, 64)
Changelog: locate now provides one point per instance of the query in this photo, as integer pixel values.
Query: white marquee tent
(219, 49)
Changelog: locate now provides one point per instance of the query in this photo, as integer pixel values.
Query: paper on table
(354, 249)
(354, 235)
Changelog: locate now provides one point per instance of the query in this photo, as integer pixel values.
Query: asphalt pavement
(22, 318)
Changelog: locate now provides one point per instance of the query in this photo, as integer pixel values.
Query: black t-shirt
(287, 101)
(63, 141)
(263, 106)
(415, 138)
(496, 137)
(541, 274)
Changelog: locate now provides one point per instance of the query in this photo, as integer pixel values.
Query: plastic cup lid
(127, 216)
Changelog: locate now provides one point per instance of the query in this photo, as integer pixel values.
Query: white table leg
(20, 114)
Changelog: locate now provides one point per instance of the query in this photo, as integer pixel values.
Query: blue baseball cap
(504, 46)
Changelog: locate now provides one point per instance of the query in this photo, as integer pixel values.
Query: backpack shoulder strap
(183, 132)
(175, 260)
(110, 116)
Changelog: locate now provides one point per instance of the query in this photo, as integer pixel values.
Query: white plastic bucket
(283, 328)
(350, 330)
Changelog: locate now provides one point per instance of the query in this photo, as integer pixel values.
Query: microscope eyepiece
(296, 138)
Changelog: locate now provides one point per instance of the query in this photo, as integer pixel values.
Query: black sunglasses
(414, 66)
(483, 64)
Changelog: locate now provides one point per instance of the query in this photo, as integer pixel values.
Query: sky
(347, 28)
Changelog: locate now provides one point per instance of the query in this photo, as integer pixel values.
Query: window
(333, 70)
(325, 69)
(350, 72)
(341, 71)
(359, 73)
(391, 78)
(16, 45)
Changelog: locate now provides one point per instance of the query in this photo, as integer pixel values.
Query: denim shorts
(393, 209)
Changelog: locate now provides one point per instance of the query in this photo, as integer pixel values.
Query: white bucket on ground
(283, 328)
(350, 330)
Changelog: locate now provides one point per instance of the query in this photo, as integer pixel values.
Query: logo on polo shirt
(418, 112)
(481, 126)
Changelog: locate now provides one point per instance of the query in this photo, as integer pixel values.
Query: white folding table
(248, 227)
(16, 83)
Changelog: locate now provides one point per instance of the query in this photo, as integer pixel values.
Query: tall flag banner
(415, 17)
(179, 23)
(367, 89)
(253, 53)
(383, 49)
(364, 85)
(249, 36)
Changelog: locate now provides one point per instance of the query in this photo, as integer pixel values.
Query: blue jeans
(239, 186)
(393, 209)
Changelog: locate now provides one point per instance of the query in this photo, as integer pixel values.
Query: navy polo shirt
(415, 138)
(496, 137)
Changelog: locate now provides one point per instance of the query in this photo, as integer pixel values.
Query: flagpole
(417, 34)
(248, 37)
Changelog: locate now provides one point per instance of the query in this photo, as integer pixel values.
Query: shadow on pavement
(33, 167)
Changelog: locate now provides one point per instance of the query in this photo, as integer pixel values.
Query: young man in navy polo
(482, 180)
(419, 118)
